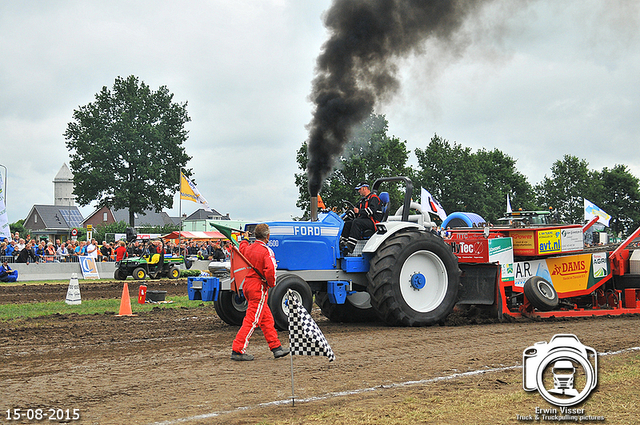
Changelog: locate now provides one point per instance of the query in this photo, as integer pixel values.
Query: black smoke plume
(356, 67)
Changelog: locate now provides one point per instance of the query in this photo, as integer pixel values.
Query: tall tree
(570, 182)
(501, 179)
(127, 147)
(369, 154)
(451, 174)
(619, 196)
(462, 180)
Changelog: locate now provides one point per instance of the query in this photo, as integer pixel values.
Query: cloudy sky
(535, 79)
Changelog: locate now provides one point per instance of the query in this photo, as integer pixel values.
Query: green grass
(27, 310)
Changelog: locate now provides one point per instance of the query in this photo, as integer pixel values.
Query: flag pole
(293, 397)
(180, 229)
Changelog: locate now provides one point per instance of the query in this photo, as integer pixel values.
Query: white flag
(431, 205)
(591, 210)
(305, 337)
(5, 232)
(508, 204)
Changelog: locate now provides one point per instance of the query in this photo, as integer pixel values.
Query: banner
(5, 232)
(431, 205)
(509, 210)
(88, 267)
(591, 210)
(190, 192)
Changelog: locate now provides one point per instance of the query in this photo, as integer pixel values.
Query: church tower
(63, 188)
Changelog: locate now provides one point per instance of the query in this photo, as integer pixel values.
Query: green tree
(369, 154)
(619, 196)
(571, 181)
(501, 178)
(101, 231)
(462, 180)
(127, 147)
(18, 226)
(451, 174)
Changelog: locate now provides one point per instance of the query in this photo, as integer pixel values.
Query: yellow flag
(190, 192)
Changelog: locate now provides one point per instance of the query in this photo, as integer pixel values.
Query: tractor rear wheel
(230, 307)
(278, 295)
(540, 293)
(413, 279)
(347, 312)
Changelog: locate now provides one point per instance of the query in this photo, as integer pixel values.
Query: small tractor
(150, 264)
(406, 274)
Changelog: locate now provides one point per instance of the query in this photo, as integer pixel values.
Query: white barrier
(63, 271)
(57, 271)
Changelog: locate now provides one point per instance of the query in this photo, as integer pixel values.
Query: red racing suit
(255, 291)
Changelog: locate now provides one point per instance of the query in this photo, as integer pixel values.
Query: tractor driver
(361, 218)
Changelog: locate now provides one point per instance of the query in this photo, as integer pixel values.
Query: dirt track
(168, 365)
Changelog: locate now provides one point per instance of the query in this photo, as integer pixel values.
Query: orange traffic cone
(125, 302)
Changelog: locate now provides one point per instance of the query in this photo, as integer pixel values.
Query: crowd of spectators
(21, 250)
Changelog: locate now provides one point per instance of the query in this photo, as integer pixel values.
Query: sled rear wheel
(540, 293)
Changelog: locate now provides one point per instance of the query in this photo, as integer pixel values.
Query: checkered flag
(305, 337)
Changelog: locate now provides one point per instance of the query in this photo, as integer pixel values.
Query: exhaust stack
(314, 208)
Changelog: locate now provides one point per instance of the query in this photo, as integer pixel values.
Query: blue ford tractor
(403, 274)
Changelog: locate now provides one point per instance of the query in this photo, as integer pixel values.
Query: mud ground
(172, 366)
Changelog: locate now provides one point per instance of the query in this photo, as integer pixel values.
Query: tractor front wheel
(278, 296)
(231, 307)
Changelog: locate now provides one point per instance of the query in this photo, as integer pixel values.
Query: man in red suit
(255, 289)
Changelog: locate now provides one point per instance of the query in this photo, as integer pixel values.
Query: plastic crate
(203, 288)
(194, 288)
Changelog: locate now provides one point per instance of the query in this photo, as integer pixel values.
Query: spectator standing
(121, 251)
(11, 249)
(38, 250)
(81, 249)
(62, 252)
(26, 255)
(106, 251)
(49, 253)
(92, 249)
(218, 254)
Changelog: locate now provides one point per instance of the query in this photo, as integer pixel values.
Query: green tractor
(151, 264)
